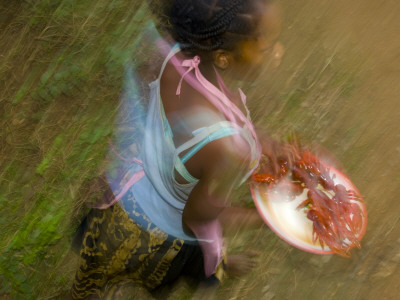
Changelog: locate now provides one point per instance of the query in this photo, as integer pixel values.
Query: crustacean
(335, 211)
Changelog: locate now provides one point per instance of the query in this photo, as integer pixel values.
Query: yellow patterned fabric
(116, 252)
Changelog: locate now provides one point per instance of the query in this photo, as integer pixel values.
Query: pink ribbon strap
(192, 64)
(135, 178)
(133, 160)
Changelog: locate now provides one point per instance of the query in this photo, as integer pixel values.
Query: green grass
(58, 107)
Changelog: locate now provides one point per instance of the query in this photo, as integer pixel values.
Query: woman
(198, 145)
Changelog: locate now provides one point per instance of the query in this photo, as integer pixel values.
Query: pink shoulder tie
(192, 64)
(135, 178)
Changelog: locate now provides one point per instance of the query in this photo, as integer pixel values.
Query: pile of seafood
(335, 211)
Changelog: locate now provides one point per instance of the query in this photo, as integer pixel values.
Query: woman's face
(263, 51)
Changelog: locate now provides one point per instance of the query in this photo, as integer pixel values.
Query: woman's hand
(274, 150)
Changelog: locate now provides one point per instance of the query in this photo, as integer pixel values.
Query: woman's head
(213, 29)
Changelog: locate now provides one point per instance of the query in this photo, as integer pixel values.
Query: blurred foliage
(61, 76)
(60, 80)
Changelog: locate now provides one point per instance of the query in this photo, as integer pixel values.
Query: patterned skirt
(115, 251)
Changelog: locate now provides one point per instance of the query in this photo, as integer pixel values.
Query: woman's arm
(235, 218)
(221, 170)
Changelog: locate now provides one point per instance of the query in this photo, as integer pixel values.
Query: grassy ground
(61, 72)
(61, 68)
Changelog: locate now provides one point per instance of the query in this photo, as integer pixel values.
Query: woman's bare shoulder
(220, 159)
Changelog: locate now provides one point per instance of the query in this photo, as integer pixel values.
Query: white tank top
(155, 190)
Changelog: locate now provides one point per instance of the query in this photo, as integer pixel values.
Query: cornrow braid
(224, 19)
(205, 25)
(200, 46)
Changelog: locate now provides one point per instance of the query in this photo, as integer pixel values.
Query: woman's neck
(209, 71)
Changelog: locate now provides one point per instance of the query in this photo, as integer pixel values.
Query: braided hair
(201, 26)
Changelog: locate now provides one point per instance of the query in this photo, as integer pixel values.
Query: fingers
(275, 151)
(251, 253)
(242, 263)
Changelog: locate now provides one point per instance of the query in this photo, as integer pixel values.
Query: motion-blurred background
(61, 74)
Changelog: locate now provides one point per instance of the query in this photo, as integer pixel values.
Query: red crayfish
(335, 211)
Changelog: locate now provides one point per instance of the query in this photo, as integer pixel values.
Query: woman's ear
(222, 59)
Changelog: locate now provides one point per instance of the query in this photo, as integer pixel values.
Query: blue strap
(181, 169)
(220, 133)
